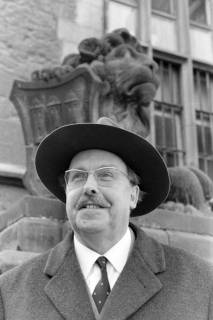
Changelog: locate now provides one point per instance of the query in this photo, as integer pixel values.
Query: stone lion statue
(128, 74)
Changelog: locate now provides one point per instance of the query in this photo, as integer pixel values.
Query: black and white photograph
(106, 160)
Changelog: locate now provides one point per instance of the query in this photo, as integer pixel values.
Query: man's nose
(91, 186)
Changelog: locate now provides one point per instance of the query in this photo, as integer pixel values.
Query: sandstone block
(38, 234)
(165, 219)
(11, 258)
(199, 245)
(157, 234)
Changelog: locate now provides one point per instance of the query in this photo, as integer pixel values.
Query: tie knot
(102, 261)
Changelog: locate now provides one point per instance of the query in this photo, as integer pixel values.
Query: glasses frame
(92, 172)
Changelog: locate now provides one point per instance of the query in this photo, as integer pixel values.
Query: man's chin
(91, 220)
(90, 225)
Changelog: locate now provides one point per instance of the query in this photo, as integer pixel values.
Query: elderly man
(107, 268)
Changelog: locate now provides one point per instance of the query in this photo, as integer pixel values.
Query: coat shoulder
(25, 270)
(193, 268)
(173, 254)
(37, 267)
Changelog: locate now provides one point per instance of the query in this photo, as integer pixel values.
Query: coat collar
(137, 283)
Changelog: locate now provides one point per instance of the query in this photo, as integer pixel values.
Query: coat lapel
(67, 289)
(137, 283)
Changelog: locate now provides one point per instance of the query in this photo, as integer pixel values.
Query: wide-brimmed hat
(56, 151)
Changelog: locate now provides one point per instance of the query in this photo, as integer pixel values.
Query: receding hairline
(99, 150)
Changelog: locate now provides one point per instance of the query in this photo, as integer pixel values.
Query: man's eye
(77, 176)
(105, 174)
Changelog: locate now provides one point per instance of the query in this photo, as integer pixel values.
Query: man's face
(94, 207)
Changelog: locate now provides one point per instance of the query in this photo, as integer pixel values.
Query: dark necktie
(102, 289)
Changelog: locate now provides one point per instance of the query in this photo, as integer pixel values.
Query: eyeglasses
(105, 176)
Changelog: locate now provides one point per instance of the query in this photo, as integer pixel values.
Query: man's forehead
(96, 157)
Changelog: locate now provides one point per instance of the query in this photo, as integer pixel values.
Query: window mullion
(199, 89)
(208, 91)
(171, 83)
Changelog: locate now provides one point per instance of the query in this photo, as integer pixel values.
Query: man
(107, 268)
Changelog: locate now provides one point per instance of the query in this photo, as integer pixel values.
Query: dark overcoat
(157, 283)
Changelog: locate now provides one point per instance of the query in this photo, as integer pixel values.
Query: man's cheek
(72, 199)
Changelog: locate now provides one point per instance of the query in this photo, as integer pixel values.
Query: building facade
(177, 34)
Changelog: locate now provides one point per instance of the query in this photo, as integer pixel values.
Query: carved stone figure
(111, 76)
(128, 75)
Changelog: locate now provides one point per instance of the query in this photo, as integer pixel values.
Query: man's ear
(134, 197)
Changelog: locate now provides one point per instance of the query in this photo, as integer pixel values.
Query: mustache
(95, 200)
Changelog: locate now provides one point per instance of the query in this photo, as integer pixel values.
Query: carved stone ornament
(43, 108)
(110, 77)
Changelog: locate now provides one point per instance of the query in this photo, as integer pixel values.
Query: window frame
(172, 14)
(205, 25)
(204, 116)
(130, 3)
(174, 111)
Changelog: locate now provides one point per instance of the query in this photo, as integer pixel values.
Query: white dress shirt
(117, 257)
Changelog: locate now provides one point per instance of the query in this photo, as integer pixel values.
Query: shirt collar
(86, 257)
(117, 255)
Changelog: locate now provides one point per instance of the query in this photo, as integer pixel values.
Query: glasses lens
(106, 176)
(75, 177)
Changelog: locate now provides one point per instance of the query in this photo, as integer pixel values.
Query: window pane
(121, 16)
(201, 164)
(166, 85)
(203, 92)
(159, 131)
(169, 90)
(175, 86)
(162, 5)
(197, 11)
(170, 159)
(210, 168)
(178, 131)
(208, 140)
(203, 84)
(169, 129)
(168, 114)
(211, 94)
(196, 95)
(199, 139)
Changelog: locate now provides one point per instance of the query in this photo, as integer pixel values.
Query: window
(198, 11)
(164, 6)
(168, 114)
(203, 98)
(121, 14)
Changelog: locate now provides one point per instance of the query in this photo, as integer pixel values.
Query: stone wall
(28, 41)
(189, 232)
(36, 34)
(81, 19)
(34, 225)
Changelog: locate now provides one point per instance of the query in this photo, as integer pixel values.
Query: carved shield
(44, 106)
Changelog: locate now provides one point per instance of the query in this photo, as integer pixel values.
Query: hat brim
(56, 151)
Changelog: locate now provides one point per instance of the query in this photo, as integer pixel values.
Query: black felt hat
(56, 151)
